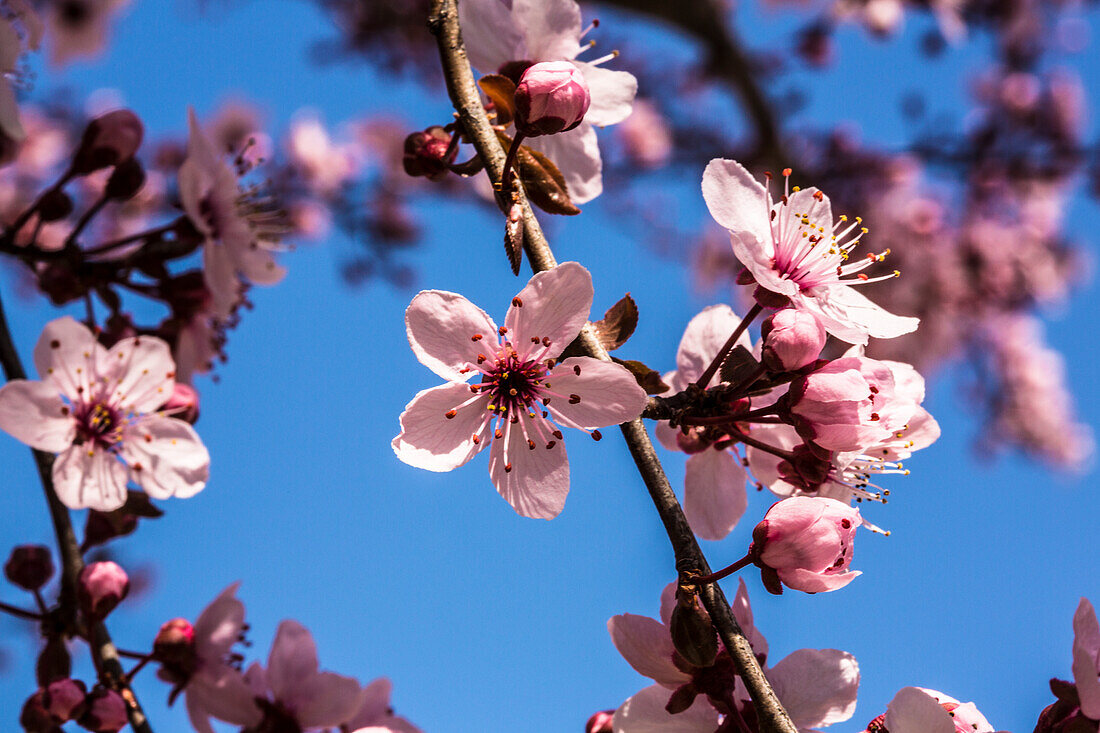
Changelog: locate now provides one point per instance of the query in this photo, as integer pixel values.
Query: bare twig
(462, 89)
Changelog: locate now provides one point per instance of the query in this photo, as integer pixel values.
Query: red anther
(874, 416)
(502, 330)
(818, 195)
(481, 358)
(530, 444)
(476, 337)
(507, 468)
(534, 339)
(498, 433)
(786, 171)
(597, 435)
(451, 414)
(577, 369)
(574, 399)
(517, 302)
(862, 276)
(546, 342)
(476, 439)
(556, 434)
(551, 444)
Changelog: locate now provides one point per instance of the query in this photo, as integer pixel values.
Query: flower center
(99, 424)
(513, 383)
(74, 13)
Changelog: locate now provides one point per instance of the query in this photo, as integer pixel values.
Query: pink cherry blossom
(292, 691)
(806, 542)
(79, 28)
(816, 686)
(97, 409)
(920, 710)
(498, 33)
(714, 481)
(792, 339)
(795, 249)
(1086, 659)
(240, 230)
(100, 587)
(375, 715)
(521, 394)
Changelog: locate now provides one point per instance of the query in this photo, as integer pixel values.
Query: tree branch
(443, 23)
(72, 562)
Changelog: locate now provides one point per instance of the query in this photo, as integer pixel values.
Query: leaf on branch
(513, 237)
(647, 378)
(544, 183)
(738, 365)
(102, 527)
(617, 324)
(501, 91)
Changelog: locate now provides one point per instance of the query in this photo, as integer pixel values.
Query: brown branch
(103, 650)
(462, 89)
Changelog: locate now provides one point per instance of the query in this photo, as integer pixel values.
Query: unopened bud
(101, 587)
(35, 718)
(55, 204)
(30, 566)
(428, 153)
(126, 180)
(64, 699)
(792, 339)
(551, 97)
(108, 140)
(183, 404)
(175, 643)
(106, 712)
(60, 284)
(600, 722)
(693, 636)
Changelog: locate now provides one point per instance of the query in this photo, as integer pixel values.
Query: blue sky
(483, 620)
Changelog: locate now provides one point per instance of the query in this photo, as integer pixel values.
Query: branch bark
(461, 86)
(72, 562)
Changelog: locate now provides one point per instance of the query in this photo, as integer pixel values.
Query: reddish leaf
(648, 379)
(617, 324)
(501, 91)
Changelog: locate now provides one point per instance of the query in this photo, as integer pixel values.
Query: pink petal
(34, 413)
(197, 713)
(736, 200)
(668, 603)
(553, 305)
(811, 582)
(538, 480)
(1086, 658)
(764, 465)
(647, 647)
(219, 625)
(223, 694)
(577, 155)
(430, 440)
(375, 705)
(141, 372)
(914, 711)
(327, 699)
(818, 210)
(817, 686)
(292, 662)
(645, 713)
(608, 393)
(491, 34)
(742, 611)
(441, 327)
(220, 274)
(89, 479)
(612, 93)
(851, 317)
(172, 459)
(68, 355)
(705, 334)
(714, 493)
(552, 28)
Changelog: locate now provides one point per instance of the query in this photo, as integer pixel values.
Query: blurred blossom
(645, 135)
(324, 164)
(79, 28)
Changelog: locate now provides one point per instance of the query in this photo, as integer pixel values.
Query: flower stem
(20, 612)
(510, 162)
(724, 572)
(130, 238)
(104, 653)
(443, 22)
(727, 347)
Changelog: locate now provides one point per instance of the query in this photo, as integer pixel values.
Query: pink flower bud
(106, 712)
(792, 339)
(184, 403)
(552, 96)
(806, 542)
(600, 722)
(34, 717)
(64, 699)
(108, 140)
(102, 586)
(428, 153)
(29, 567)
(175, 647)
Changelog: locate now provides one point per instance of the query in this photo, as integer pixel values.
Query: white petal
(714, 493)
(646, 645)
(68, 355)
(551, 28)
(554, 305)
(844, 305)
(817, 686)
(804, 202)
(89, 478)
(737, 201)
(534, 481)
(705, 334)
(441, 327)
(612, 93)
(914, 711)
(645, 713)
(34, 413)
(166, 457)
(141, 373)
(430, 440)
(491, 35)
(219, 625)
(608, 393)
(577, 155)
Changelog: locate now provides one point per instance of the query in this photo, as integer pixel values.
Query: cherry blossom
(920, 710)
(806, 542)
(502, 34)
(521, 394)
(816, 686)
(98, 409)
(78, 28)
(1086, 659)
(376, 715)
(239, 229)
(794, 248)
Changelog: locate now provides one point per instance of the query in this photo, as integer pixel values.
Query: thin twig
(443, 23)
(103, 651)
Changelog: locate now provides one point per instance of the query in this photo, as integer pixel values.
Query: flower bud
(55, 204)
(428, 153)
(64, 699)
(108, 140)
(792, 339)
(30, 566)
(600, 722)
(175, 645)
(60, 283)
(126, 180)
(551, 97)
(101, 586)
(807, 542)
(35, 718)
(183, 404)
(106, 712)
